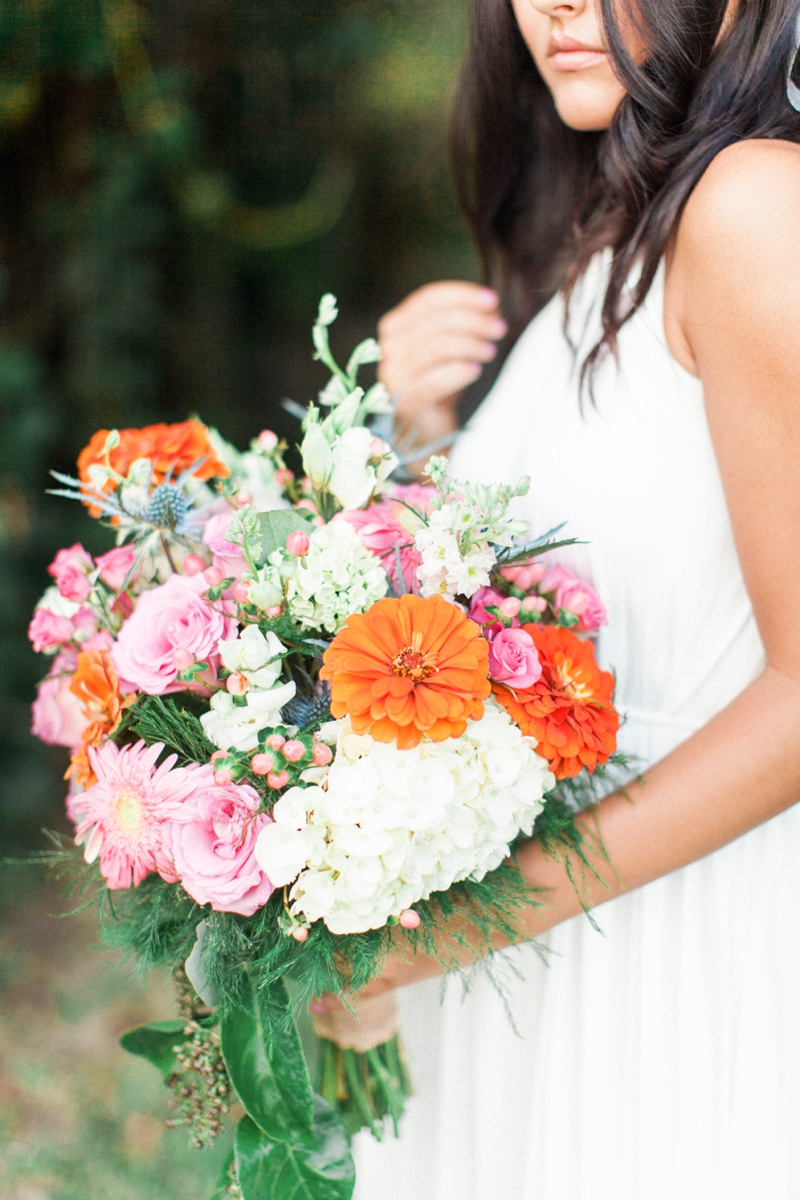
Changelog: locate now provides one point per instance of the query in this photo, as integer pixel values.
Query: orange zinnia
(96, 684)
(407, 667)
(169, 447)
(570, 709)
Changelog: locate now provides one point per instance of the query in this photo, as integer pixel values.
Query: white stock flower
(388, 827)
(54, 602)
(233, 726)
(338, 576)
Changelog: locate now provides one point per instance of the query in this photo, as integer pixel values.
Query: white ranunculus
(234, 726)
(257, 656)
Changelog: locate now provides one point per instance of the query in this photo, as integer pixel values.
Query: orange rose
(570, 709)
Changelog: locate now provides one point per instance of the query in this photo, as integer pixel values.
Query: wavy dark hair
(541, 198)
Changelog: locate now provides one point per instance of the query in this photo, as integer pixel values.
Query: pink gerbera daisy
(122, 814)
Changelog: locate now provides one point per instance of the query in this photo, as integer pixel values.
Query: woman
(660, 1058)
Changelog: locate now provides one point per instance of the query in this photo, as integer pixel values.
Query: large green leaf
(317, 1166)
(154, 1042)
(265, 1060)
(276, 527)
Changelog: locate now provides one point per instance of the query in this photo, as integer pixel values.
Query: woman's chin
(586, 106)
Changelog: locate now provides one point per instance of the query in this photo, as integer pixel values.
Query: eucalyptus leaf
(265, 1060)
(154, 1042)
(317, 1166)
(276, 526)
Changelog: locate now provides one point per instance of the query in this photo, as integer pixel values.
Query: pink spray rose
(525, 577)
(58, 716)
(513, 659)
(389, 526)
(70, 569)
(115, 565)
(575, 596)
(171, 625)
(228, 556)
(483, 598)
(212, 841)
(48, 630)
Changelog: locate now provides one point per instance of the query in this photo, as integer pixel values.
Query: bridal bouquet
(309, 719)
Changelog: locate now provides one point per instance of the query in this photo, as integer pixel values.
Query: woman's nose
(556, 8)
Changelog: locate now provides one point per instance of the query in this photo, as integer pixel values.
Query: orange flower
(408, 667)
(167, 446)
(96, 684)
(570, 709)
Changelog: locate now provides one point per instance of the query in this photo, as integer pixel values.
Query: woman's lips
(568, 54)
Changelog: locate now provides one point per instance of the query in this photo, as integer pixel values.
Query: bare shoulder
(746, 204)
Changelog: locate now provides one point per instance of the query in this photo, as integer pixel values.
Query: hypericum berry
(300, 933)
(213, 576)
(193, 564)
(243, 498)
(217, 755)
(297, 543)
(293, 751)
(278, 780)
(237, 684)
(410, 919)
(322, 755)
(262, 764)
(182, 659)
(267, 440)
(307, 505)
(223, 777)
(510, 606)
(241, 593)
(274, 612)
(284, 477)
(377, 448)
(276, 740)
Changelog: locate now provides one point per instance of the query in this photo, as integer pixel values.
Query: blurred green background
(179, 182)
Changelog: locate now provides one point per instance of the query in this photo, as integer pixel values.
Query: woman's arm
(733, 314)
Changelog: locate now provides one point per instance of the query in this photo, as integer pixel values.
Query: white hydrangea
(338, 576)
(452, 564)
(387, 827)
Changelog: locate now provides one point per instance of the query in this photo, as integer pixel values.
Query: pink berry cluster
(279, 759)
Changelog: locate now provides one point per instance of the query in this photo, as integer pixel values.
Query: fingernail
(477, 369)
(316, 1008)
(489, 298)
(490, 349)
(499, 327)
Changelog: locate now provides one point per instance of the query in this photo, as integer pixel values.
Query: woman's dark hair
(542, 198)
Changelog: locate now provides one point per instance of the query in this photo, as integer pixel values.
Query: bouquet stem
(364, 1088)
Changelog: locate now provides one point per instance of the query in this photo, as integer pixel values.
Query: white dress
(660, 1058)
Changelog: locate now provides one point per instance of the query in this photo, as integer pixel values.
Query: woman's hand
(433, 345)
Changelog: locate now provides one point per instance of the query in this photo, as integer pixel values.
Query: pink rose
(115, 565)
(525, 577)
(169, 622)
(84, 623)
(212, 841)
(228, 556)
(70, 569)
(47, 630)
(102, 640)
(513, 658)
(575, 596)
(483, 598)
(58, 716)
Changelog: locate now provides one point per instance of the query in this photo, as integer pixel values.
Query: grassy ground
(79, 1118)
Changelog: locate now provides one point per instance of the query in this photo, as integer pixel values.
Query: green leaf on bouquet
(311, 1166)
(265, 1060)
(154, 1042)
(276, 526)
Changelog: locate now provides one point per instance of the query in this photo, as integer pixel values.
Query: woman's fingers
(438, 325)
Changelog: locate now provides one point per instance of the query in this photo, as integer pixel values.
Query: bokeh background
(180, 180)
